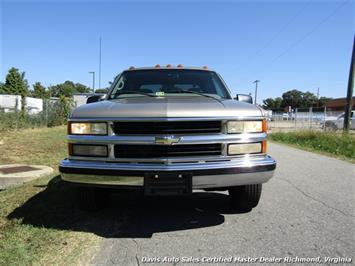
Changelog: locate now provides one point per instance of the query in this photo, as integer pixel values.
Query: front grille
(166, 127)
(155, 151)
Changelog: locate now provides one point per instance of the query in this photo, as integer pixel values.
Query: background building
(338, 104)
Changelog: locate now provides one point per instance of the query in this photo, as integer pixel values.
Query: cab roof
(168, 67)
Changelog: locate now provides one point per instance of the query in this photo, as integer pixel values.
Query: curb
(18, 174)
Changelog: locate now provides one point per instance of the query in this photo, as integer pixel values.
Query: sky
(302, 45)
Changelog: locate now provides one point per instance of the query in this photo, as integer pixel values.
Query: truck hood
(166, 107)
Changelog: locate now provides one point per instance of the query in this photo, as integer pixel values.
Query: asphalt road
(307, 210)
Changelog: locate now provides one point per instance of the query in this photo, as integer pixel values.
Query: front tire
(245, 197)
(91, 199)
(331, 127)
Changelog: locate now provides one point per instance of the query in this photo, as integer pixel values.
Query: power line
(275, 36)
(301, 10)
(298, 41)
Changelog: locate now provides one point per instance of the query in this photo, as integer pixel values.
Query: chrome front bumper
(223, 173)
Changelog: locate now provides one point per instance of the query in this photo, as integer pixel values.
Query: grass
(40, 223)
(334, 144)
(36, 219)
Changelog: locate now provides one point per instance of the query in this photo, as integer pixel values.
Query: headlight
(246, 126)
(88, 150)
(77, 128)
(245, 148)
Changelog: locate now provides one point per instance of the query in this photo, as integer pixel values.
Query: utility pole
(318, 97)
(93, 80)
(256, 90)
(349, 96)
(100, 64)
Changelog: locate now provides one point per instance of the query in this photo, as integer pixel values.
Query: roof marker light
(180, 65)
(205, 67)
(168, 65)
(131, 67)
(157, 66)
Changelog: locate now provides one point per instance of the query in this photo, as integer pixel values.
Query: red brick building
(338, 104)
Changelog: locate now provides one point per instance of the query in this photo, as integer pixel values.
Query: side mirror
(94, 98)
(244, 98)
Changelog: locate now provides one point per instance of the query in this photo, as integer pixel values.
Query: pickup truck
(336, 123)
(168, 131)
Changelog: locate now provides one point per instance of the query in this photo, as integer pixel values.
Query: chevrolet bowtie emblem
(167, 140)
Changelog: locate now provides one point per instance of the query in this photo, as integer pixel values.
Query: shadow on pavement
(128, 214)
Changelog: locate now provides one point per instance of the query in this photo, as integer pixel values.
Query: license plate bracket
(169, 184)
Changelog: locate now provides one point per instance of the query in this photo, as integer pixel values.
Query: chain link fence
(54, 113)
(306, 118)
(28, 112)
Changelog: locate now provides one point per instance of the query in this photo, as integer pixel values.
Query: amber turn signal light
(264, 125)
(263, 146)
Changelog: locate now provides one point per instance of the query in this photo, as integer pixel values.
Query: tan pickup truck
(168, 131)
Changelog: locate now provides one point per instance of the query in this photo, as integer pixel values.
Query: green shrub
(332, 143)
(13, 121)
(55, 113)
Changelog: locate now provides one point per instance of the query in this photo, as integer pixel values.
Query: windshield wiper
(134, 92)
(197, 93)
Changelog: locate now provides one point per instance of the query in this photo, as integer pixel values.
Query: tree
(39, 91)
(323, 100)
(292, 98)
(268, 103)
(81, 88)
(308, 99)
(104, 90)
(271, 103)
(64, 89)
(2, 89)
(15, 83)
(278, 102)
(67, 89)
(295, 99)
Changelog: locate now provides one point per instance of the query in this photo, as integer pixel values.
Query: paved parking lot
(306, 210)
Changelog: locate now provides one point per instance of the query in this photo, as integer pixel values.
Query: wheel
(245, 197)
(92, 199)
(330, 126)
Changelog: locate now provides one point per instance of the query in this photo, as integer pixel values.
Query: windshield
(168, 82)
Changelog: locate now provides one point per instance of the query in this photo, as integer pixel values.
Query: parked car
(288, 116)
(167, 131)
(338, 122)
(268, 115)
